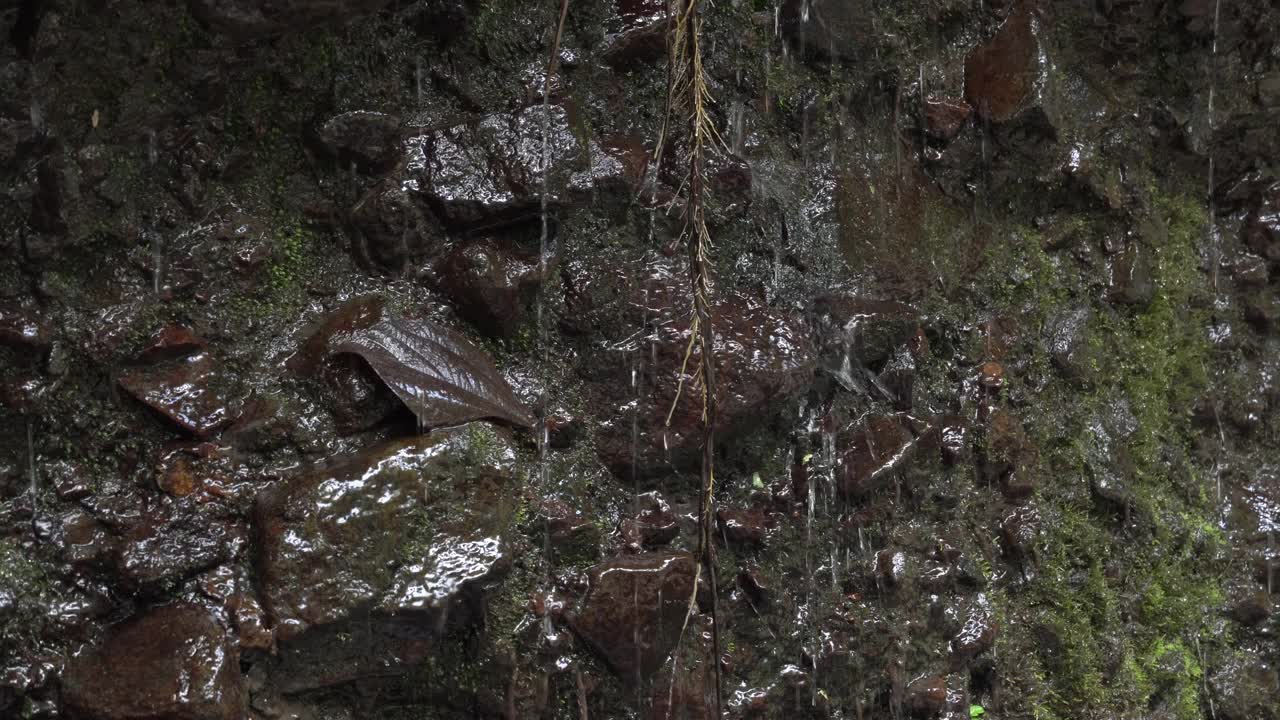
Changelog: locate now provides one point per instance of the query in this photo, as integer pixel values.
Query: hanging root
(689, 96)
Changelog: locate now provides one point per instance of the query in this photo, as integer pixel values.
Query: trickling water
(31, 459)
(544, 481)
(417, 77)
(1215, 242)
(157, 243)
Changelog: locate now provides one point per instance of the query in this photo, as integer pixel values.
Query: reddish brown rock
(492, 283)
(872, 451)
(763, 357)
(654, 526)
(945, 118)
(184, 392)
(744, 526)
(926, 696)
(165, 540)
(170, 342)
(1007, 456)
(412, 528)
(355, 314)
(634, 609)
(1000, 74)
(174, 662)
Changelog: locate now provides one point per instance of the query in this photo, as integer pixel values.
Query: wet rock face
(634, 609)
(1000, 74)
(23, 329)
(247, 19)
(173, 662)
(403, 538)
(828, 29)
(488, 172)
(368, 140)
(858, 336)
(640, 36)
(185, 392)
(763, 358)
(872, 452)
(492, 283)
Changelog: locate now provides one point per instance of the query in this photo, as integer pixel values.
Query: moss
(1091, 588)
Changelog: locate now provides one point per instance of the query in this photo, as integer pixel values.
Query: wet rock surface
(375, 546)
(184, 393)
(635, 609)
(174, 662)
(996, 313)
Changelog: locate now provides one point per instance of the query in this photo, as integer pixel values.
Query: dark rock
(953, 438)
(392, 229)
(174, 662)
(165, 540)
(873, 451)
(368, 140)
(856, 333)
(978, 634)
(1131, 281)
(355, 314)
(1069, 346)
(21, 393)
(926, 696)
(564, 523)
(753, 583)
(945, 118)
(642, 36)
(889, 569)
(1245, 688)
(1261, 230)
(1000, 74)
(655, 525)
(171, 342)
(185, 392)
(355, 395)
(898, 378)
(1019, 532)
(57, 195)
(829, 29)
(634, 609)
(744, 527)
(487, 172)
(685, 688)
(23, 329)
(1262, 310)
(394, 545)
(492, 284)
(85, 542)
(69, 480)
(232, 587)
(1252, 609)
(247, 19)
(189, 468)
(1008, 455)
(762, 358)
(1249, 270)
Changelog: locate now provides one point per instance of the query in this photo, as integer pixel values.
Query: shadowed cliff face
(996, 309)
